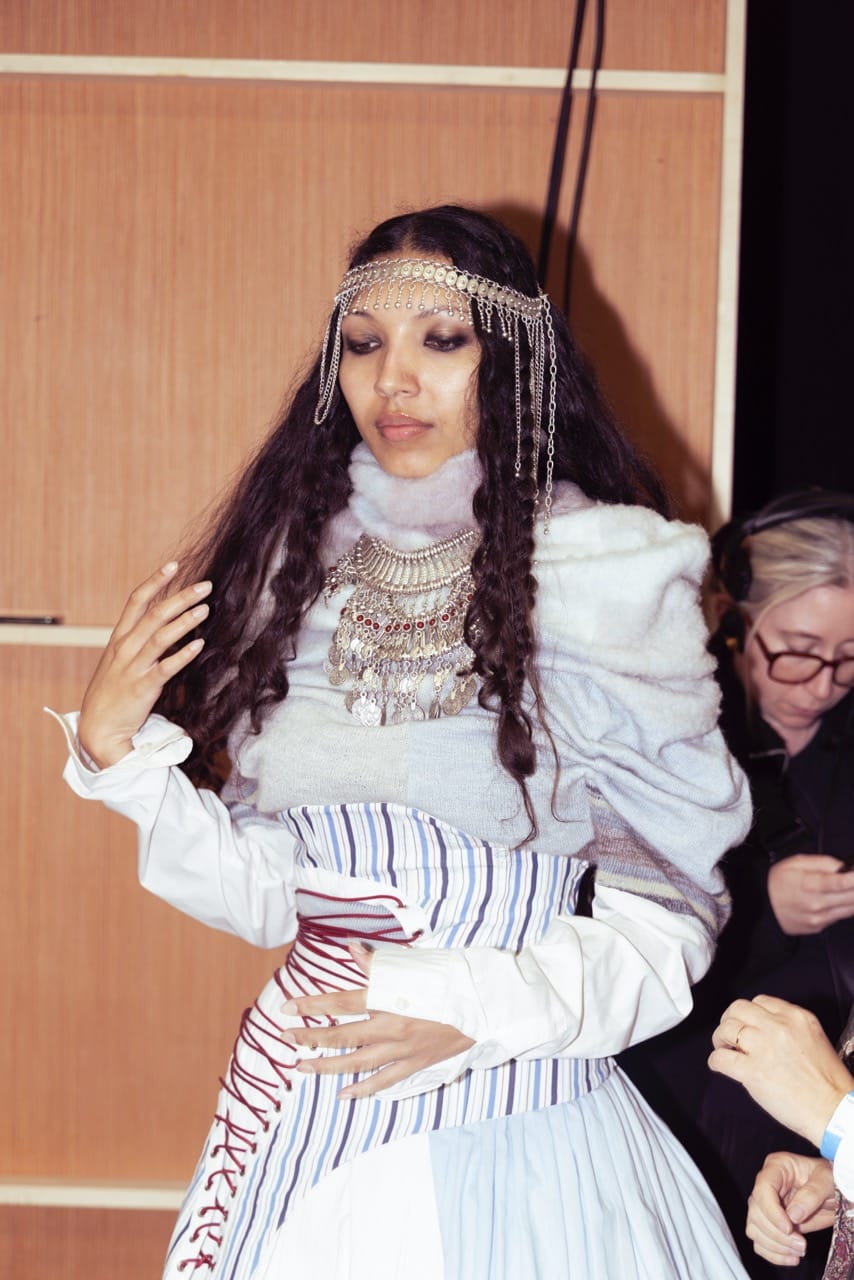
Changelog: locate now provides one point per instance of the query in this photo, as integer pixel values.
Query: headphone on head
(731, 558)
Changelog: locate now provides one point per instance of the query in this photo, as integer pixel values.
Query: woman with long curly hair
(431, 708)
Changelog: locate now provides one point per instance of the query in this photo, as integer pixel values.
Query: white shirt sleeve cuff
(588, 989)
(156, 745)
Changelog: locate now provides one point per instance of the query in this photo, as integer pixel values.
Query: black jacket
(801, 805)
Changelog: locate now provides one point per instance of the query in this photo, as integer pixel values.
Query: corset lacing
(263, 1058)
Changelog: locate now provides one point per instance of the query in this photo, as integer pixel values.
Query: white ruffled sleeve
(227, 866)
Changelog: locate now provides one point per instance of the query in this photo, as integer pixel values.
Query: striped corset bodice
(392, 876)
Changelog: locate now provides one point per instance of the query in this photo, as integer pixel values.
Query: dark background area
(794, 424)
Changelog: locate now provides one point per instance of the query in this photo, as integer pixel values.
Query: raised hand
(133, 670)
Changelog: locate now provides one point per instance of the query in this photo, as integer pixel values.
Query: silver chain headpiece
(425, 284)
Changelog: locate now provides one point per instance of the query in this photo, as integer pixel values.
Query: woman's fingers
(774, 1235)
(350, 1035)
(167, 633)
(382, 1079)
(328, 1004)
(137, 663)
(781, 1055)
(808, 892)
(385, 1045)
(162, 624)
(771, 1241)
(141, 596)
(734, 1021)
(177, 661)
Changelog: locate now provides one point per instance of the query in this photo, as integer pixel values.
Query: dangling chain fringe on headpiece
(428, 285)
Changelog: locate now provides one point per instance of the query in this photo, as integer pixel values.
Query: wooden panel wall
(198, 237)
(44, 1243)
(660, 35)
(168, 247)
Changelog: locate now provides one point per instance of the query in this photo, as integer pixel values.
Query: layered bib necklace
(403, 624)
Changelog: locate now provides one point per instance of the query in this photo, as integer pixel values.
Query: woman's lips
(807, 714)
(397, 426)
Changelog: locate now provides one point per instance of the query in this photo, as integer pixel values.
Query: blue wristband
(840, 1122)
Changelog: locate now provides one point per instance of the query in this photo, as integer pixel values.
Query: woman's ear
(718, 603)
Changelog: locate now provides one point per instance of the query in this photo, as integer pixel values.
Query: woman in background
(785, 651)
(446, 659)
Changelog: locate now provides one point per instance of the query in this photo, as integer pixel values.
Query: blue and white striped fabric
(285, 1151)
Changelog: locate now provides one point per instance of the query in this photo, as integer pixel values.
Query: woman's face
(820, 621)
(409, 378)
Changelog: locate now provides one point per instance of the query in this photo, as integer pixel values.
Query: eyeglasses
(790, 667)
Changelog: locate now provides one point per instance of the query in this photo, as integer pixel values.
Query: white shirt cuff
(589, 989)
(157, 744)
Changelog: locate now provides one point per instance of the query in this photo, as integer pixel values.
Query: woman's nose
(821, 684)
(395, 375)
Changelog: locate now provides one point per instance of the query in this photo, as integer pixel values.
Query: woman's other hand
(387, 1045)
(807, 892)
(780, 1054)
(792, 1196)
(132, 670)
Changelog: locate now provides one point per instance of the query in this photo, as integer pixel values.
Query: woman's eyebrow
(788, 635)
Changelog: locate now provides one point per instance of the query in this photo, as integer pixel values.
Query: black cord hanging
(584, 155)
(560, 146)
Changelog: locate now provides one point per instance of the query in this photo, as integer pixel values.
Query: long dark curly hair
(299, 479)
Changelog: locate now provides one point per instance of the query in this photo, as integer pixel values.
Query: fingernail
(169, 568)
(201, 611)
(345, 1094)
(290, 1006)
(202, 588)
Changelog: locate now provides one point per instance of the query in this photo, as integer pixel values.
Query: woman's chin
(410, 460)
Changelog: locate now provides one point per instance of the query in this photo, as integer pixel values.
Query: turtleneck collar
(406, 513)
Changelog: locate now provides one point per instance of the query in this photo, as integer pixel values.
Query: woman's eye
(446, 342)
(360, 346)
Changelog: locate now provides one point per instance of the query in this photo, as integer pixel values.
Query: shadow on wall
(624, 376)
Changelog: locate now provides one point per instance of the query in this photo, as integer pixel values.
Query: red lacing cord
(201, 1260)
(244, 1086)
(237, 1131)
(316, 936)
(209, 1235)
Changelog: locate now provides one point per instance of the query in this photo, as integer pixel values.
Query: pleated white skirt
(594, 1189)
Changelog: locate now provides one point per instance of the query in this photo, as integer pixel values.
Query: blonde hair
(791, 558)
